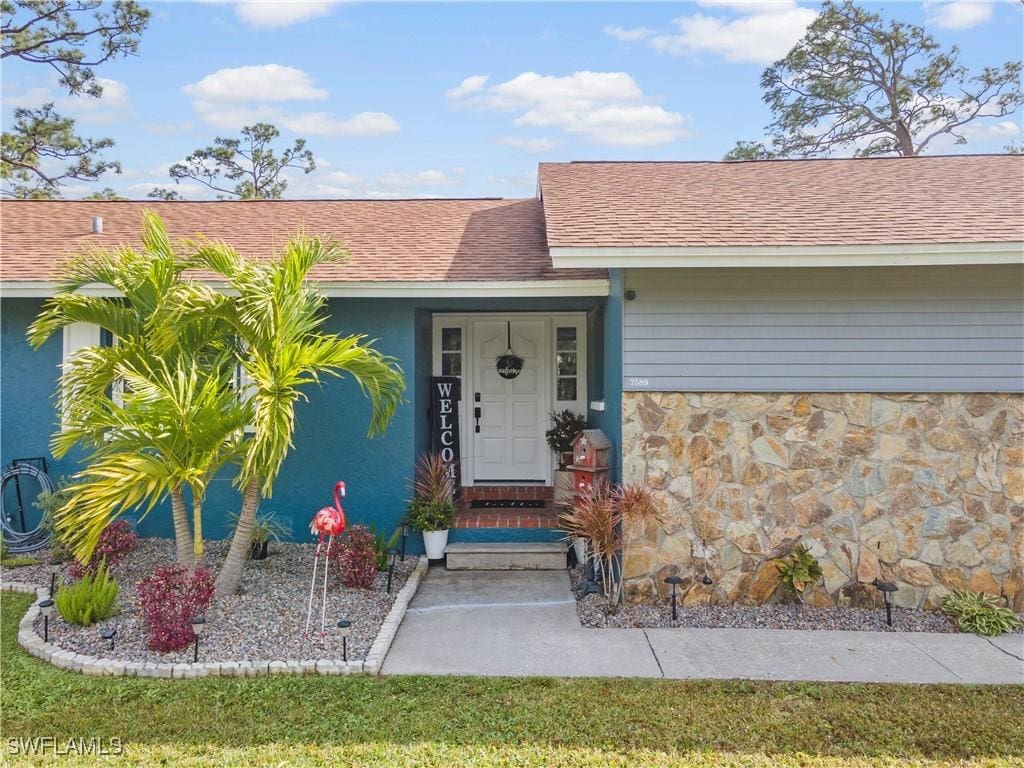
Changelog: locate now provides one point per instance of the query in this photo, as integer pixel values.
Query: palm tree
(278, 317)
(138, 403)
(174, 428)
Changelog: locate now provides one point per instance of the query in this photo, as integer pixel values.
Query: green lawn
(507, 722)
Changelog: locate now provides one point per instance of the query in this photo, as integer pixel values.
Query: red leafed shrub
(171, 597)
(355, 560)
(116, 541)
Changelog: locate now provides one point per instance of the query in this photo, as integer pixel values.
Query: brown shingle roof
(389, 240)
(956, 199)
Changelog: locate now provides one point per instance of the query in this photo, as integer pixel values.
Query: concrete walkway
(524, 623)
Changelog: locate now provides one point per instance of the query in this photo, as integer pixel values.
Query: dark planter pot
(258, 550)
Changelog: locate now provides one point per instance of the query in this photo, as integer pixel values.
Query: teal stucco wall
(330, 435)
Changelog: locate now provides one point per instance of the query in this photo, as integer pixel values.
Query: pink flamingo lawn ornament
(328, 522)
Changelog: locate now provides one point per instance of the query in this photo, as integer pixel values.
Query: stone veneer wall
(926, 490)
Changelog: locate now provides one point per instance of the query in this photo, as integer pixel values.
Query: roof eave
(881, 255)
(373, 289)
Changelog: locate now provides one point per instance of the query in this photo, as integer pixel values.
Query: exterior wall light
(198, 625)
(345, 628)
(46, 607)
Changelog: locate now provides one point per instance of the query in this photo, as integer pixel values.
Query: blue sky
(460, 99)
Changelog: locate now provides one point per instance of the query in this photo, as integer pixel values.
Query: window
(567, 363)
(77, 336)
(451, 351)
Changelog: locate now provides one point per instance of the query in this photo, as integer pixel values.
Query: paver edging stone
(94, 666)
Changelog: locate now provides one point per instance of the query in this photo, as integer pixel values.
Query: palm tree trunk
(197, 525)
(230, 575)
(182, 534)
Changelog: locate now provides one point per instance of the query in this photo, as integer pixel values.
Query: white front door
(510, 443)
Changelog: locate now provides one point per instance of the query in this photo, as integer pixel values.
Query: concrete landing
(524, 623)
(506, 556)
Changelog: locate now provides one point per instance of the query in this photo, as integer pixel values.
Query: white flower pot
(435, 542)
(579, 545)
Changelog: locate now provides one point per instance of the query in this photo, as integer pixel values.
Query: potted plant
(433, 503)
(565, 428)
(265, 528)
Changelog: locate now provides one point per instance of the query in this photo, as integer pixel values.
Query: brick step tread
(505, 547)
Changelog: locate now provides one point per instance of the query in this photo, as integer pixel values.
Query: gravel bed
(264, 622)
(593, 612)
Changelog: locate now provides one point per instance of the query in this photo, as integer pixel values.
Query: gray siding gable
(887, 329)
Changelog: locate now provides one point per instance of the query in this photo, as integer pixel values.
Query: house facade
(827, 352)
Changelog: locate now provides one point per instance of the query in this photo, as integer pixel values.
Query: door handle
(476, 416)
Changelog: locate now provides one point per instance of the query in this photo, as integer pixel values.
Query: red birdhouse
(591, 460)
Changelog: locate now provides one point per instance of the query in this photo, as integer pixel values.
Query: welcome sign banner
(445, 393)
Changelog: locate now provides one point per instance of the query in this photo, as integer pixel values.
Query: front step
(506, 556)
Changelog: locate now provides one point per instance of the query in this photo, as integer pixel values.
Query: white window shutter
(76, 336)
(245, 388)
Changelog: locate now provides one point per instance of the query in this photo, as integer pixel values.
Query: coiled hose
(18, 542)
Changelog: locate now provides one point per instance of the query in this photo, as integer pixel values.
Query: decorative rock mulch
(260, 630)
(593, 612)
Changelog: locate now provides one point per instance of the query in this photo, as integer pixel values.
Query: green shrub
(382, 544)
(88, 600)
(979, 613)
(18, 561)
(799, 569)
(49, 502)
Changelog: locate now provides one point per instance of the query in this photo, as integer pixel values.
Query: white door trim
(463, 320)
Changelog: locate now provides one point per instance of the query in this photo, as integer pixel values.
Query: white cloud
(421, 179)
(341, 184)
(266, 82)
(604, 107)
(958, 14)
(234, 97)
(186, 190)
(628, 35)
(472, 84)
(528, 145)
(322, 124)
(747, 6)
(168, 129)
(281, 13)
(111, 107)
(518, 181)
(765, 33)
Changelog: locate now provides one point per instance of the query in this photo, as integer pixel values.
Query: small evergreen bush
(171, 597)
(979, 613)
(88, 600)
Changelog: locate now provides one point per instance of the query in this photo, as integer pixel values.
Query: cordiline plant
(170, 598)
(602, 516)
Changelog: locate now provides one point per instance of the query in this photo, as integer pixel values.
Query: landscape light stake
(887, 588)
(346, 629)
(47, 608)
(53, 579)
(675, 581)
(109, 633)
(405, 535)
(198, 624)
(391, 567)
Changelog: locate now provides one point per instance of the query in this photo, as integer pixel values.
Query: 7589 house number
(638, 382)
